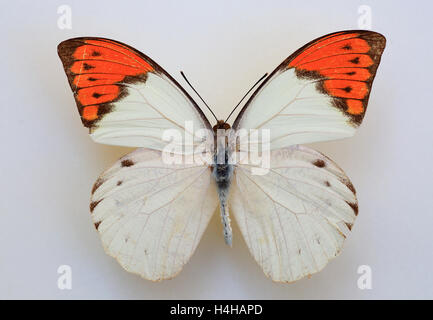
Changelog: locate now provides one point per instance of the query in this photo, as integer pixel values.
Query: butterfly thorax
(222, 172)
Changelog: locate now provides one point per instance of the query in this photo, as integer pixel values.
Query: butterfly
(151, 214)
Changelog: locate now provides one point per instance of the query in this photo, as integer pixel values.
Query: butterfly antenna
(183, 75)
(264, 76)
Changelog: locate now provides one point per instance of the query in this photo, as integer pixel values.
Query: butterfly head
(221, 124)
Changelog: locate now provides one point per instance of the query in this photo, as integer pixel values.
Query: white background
(49, 163)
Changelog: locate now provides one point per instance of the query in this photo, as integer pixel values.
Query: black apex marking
(319, 163)
(127, 163)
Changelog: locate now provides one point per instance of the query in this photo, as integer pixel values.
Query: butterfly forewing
(124, 97)
(318, 93)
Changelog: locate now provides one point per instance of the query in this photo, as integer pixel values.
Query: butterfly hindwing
(124, 97)
(151, 215)
(294, 218)
(318, 93)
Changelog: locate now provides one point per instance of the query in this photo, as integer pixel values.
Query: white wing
(127, 99)
(151, 215)
(294, 218)
(318, 93)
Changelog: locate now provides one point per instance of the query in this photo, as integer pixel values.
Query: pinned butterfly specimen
(151, 215)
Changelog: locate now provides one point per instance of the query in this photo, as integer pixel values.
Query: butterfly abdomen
(223, 173)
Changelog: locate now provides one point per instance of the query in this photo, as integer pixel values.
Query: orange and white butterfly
(151, 214)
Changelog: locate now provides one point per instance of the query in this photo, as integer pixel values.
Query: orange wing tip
(346, 88)
(354, 107)
(96, 79)
(360, 74)
(97, 94)
(351, 46)
(90, 113)
(101, 66)
(343, 65)
(113, 49)
(338, 61)
(321, 43)
(91, 52)
(97, 70)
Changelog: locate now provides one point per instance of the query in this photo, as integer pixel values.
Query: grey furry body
(223, 174)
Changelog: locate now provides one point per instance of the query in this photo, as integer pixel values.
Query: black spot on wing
(97, 184)
(319, 163)
(87, 66)
(354, 206)
(355, 60)
(350, 186)
(93, 205)
(347, 89)
(97, 225)
(127, 163)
